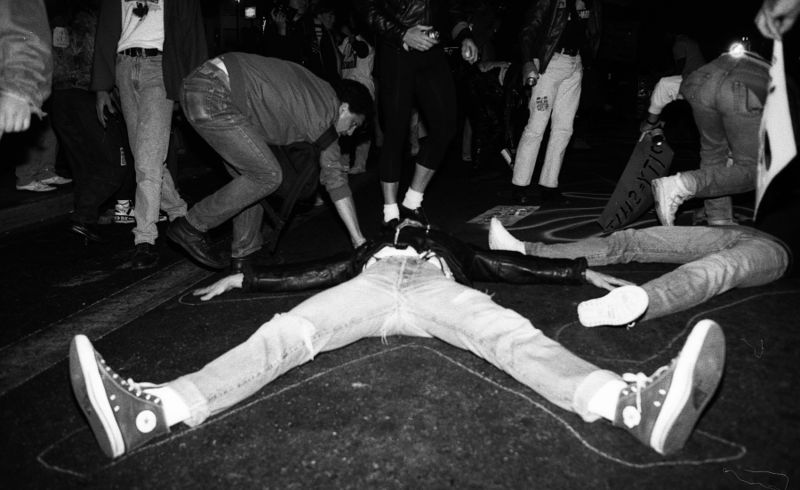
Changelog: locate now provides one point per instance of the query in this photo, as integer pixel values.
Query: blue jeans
(148, 117)
(727, 98)
(207, 103)
(396, 296)
(714, 260)
(556, 96)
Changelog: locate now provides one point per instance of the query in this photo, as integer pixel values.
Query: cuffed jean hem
(194, 399)
(587, 389)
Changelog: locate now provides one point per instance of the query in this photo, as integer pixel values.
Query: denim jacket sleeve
(26, 60)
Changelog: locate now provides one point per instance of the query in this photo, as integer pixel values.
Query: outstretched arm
(223, 285)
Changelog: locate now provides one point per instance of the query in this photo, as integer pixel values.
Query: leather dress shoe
(89, 231)
(390, 226)
(145, 256)
(195, 242)
(417, 215)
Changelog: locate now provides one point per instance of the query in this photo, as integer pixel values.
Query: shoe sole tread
(87, 384)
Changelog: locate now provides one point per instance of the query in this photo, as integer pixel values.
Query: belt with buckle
(141, 52)
(568, 51)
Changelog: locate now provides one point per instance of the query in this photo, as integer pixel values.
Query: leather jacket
(545, 22)
(465, 262)
(392, 18)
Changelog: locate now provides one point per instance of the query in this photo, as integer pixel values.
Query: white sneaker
(668, 194)
(501, 239)
(36, 186)
(56, 180)
(621, 306)
(123, 212)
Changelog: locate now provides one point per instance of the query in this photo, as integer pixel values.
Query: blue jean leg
(727, 101)
(396, 296)
(256, 173)
(713, 260)
(148, 117)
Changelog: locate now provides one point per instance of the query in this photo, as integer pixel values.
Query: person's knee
(194, 107)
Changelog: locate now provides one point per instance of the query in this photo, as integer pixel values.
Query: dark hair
(357, 97)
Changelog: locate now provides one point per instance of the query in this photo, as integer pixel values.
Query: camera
(433, 34)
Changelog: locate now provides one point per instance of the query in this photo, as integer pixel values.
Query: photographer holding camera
(413, 66)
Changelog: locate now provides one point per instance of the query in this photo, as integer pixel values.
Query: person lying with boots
(414, 284)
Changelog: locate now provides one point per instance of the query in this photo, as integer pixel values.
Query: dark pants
(93, 153)
(406, 77)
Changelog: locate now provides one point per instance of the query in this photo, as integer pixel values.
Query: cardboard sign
(633, 196)
(508, 215)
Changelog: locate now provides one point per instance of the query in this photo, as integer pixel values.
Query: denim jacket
(26, 61)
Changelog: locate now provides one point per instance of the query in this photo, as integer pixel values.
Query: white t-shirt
(355, 68)
(390, 251)
(144, 32)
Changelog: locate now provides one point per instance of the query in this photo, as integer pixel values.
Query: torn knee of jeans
(299, 326)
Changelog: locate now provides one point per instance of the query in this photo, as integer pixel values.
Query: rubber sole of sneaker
(660, 197)
(87, 384)
(621, 306)
(697, 374)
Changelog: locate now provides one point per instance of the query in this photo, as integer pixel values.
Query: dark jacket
(302, 114)
(27, 62)
(392, 18)
(184, 44)
(466, 263)
(544, 24)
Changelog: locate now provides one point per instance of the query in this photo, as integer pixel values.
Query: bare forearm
(347, 211)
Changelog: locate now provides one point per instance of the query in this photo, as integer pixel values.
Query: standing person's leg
(565, 106)
(148, 116)
(700, 89)
(326, 321)
(540, 107)
(256, 173)
(660, 411)
(94, 159)
(39, 158)
(395, 97)
(435, 91)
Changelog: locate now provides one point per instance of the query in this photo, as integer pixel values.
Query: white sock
(604, 402)
(175, 409)
(390, 212)
(501, 239)
(413, 199)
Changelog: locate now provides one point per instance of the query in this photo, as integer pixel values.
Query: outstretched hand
(777, 17)
(219, 287)
(417, 38)
(604, 281)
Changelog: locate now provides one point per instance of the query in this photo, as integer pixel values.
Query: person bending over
(242, 103)
(416, 285)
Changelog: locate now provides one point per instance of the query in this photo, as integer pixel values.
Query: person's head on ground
(355, 106)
